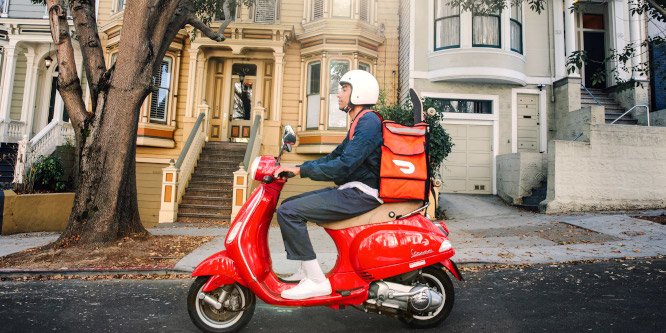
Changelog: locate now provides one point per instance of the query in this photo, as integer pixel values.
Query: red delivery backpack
(404, 173)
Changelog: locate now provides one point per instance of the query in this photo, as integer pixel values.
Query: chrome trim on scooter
(413, 212)
(253, 206)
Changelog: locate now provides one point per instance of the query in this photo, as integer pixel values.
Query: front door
(218, 116)
(528, 123)
(592, 33)
(240, 110)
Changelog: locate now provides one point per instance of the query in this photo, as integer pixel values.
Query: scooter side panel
(219, 264)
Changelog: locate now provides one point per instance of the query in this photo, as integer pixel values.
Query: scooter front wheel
(236, 308)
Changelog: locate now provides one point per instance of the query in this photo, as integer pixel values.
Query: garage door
(468, 169)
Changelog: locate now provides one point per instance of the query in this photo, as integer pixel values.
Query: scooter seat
(385, 213)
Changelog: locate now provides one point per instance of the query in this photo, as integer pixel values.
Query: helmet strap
(348, 107)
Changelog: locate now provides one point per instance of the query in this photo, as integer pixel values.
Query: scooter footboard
(221, 267)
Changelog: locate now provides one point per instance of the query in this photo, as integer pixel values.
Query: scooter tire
(434, 276)
(198, 309)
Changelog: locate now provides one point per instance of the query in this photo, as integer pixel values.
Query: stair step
(205, 185)
(206, 200)
(214, 192)
(224, 219)
(221, 158)
(623, 121)
(212, 178)
(533, 200)
(217, 214)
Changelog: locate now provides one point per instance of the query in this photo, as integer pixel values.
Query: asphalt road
(615, 296)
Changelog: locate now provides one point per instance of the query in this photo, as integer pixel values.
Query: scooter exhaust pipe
(211, 301)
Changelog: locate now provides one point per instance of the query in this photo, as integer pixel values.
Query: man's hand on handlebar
(284, 169)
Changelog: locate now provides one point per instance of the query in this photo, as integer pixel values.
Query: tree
(105, 205)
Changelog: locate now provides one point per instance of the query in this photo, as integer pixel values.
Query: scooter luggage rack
(413, 212)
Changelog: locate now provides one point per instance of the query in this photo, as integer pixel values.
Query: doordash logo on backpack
(406, 167)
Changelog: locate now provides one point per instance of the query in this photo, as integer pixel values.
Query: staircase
(209, 193)
(531, 203)
(7, 162)
(612, 108)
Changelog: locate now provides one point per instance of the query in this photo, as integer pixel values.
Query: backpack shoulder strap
(353, 125)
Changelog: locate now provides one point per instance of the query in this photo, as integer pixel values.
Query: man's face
(343, 96)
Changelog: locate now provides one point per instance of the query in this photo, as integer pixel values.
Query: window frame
(520, 25)
(448, 99)
(328, 88)
(365, 63)
(169, 95)
(117, 5)
(499, 31)
(436, 19)
(308, 87)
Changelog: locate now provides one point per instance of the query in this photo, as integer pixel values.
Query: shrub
(47, 173)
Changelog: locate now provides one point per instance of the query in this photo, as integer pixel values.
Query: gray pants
(320, 206)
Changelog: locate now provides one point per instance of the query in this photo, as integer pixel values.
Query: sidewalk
(483, 229)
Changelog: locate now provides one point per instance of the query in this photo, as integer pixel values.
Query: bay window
(313, 95)
(447, 25)
(486, 29)
(517, 28)
(364, 67)
(463, 105)
(336, 118)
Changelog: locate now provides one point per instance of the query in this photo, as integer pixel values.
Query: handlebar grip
(287, 174)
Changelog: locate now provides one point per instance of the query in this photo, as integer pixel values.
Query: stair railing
(177, 175)
(584, 87)
(55, 134)
(241, 182)
(647, 113)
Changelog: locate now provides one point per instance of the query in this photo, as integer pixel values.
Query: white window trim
(5, 8)
(329, 61)
(543, 126)
(307, 80)
(475, 119)
(167, 112)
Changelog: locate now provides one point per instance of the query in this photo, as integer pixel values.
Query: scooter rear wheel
(436, 278)
(209, 319)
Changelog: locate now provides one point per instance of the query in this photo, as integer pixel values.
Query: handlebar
(287, 174)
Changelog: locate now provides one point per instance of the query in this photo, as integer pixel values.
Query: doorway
(592, 35)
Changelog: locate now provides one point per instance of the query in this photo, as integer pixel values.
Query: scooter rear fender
(222, 268)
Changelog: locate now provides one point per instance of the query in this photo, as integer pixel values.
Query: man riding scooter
(353, 166)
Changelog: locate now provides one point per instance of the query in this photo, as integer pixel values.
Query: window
(159, 100)
(364, 14)
(486, 29)
(114, 58)
(3, 7)
(313, 95)
(517, 28)
(364, 67)
(447, 25)
(121, 5)
(336, 118)
(341, 8)
(317, 9)
(265, 11)
(463, 105)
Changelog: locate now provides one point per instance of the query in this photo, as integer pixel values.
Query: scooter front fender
(222, 268)
(451, 266)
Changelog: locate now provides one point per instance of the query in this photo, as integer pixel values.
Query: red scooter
(391, 261)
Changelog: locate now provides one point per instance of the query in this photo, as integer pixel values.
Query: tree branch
(85, 23)
(69, 84)
(194, 21)
(227, 18)
(659, 8)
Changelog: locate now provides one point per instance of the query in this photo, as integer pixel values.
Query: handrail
(595, 99)
(647, 113)
(250, 144)
(188, 143)
(44, 131)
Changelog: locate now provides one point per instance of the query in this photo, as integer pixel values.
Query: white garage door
(468, 169)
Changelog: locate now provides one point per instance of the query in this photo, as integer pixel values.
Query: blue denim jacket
(357, 159)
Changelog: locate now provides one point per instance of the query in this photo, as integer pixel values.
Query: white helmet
(365, 89)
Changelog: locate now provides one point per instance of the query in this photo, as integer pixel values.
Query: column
(322, 102)
(276, 111)
(7, 81)
(192, 71)
(28, 109)
(635, 39)
(200, 81)
(570, 31)
(558, 40)
(168, 200)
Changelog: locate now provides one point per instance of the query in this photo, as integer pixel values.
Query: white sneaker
(298, 276)
(308, 289)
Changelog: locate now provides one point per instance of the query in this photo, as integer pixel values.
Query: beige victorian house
(279, 65)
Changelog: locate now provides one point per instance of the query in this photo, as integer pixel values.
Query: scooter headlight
(254, 166)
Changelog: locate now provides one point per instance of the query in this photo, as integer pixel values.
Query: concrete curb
(13, 273)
